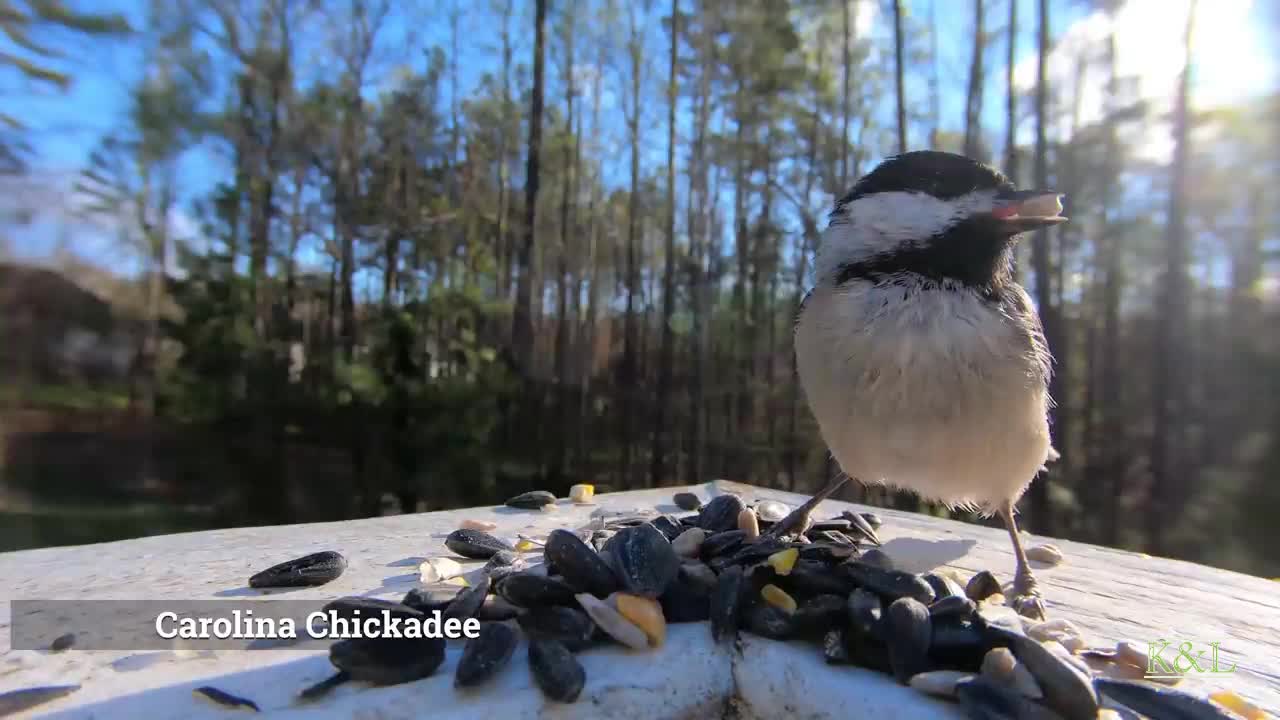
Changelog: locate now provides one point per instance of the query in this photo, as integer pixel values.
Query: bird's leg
(1026, 596)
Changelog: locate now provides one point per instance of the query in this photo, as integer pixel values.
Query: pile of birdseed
(765, 569)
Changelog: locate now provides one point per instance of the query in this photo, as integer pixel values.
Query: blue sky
(65, 127)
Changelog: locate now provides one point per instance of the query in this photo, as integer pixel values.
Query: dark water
(80, 525)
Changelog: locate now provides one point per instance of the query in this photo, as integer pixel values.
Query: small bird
(922, 359)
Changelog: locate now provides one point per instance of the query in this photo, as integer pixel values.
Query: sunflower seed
(909, 633)
(721, 513)
(726, 602)
(475, 544)
(687, 501)
(224, 698)
(583, 569)
(532, 500)
(485, 654)
(645, 562)
(556, 671)
(387, 660)
(567, 625)
(1047, 553)
(309, 570)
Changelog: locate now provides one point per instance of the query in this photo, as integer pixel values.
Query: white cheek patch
(884, 222)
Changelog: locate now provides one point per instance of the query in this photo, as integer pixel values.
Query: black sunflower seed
(428, 601)
(943, 586)
(467, 603)
(556, 671)
(722, 543)
(877, 557)
(226, 699)
(476, 544)
(62, 642)
(557, 622)
(1159, 702)
(1067, 688)
(891, 584)
(485, 654)
(819, 614)
(726, 601)
(721, 513)
(529, 590)
(387, 660)
(687, 501)
(835, 649)
(768, 621)
(323, 687)
(952, 606)
(644, 560)
(908, 634)
(583, 569)
(686, 601)
(982, 586)
(668, 526)
(532, 500)
(309, 570)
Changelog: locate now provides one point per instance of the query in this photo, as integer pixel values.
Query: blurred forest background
(270, 261)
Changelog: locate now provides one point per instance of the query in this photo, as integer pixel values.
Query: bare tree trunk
(562, 266)
(522, 319)
(344, 210)
(898, 70)
(657, 469)
(595, 282)
(628, 377)
(935, 82)
(504, 245)
(1041, 261)
(699, 226)
(846, 57)
(973, 108)
(739, 420)
(1011, 98)
(1168, 491)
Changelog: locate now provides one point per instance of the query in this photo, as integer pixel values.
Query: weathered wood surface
(1110, 594)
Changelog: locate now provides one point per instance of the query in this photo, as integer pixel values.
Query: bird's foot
(1026, 595)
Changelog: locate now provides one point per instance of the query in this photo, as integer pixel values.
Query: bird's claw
(1026, 596)
(1029, 606)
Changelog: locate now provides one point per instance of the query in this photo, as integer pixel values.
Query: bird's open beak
(1029, 209)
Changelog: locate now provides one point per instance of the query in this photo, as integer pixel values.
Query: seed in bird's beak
(1048, 205)
(1033, 205)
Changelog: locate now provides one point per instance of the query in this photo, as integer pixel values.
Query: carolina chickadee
(922, 359)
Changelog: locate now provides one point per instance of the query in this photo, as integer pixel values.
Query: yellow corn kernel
(1238, 705)
(783, 560)
(778, 598)
(645, 614)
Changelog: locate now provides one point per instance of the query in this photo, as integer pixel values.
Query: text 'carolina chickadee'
(922, 360)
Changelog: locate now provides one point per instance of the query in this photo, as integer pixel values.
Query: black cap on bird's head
(940, 215)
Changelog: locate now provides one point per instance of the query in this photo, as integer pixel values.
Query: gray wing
(1016, 305)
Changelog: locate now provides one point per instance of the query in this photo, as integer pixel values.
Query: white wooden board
(1111, 594)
